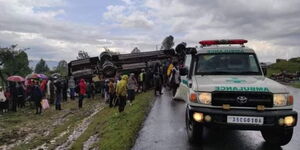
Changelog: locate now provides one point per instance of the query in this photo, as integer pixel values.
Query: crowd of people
(123, 88)
(116, 91)
(53, 91)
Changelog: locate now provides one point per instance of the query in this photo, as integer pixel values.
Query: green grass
(270, 71)
(296, 84)
(17, 125)
(117, 131)
(289, 66)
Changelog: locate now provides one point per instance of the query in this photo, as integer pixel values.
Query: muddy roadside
(26, 130)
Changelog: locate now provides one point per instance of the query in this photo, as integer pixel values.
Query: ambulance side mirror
(183, 71)
(264, 68)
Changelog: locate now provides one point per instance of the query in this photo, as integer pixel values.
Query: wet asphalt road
(164, 129)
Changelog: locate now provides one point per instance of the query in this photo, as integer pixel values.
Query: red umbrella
(16, 79)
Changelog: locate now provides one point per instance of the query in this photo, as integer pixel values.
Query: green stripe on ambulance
(246, 89)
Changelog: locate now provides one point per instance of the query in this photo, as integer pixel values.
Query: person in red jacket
(82, 92)
(43, 87)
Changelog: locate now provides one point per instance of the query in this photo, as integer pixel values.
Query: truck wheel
(278, 137)
(194, 130)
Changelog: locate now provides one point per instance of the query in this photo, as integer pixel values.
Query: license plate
(245, 120)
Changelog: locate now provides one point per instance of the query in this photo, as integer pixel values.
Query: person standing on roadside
(20, 95)
(48, 93)
(14, 95)
(131, 86)
(71, 85)
(43, 87)
(141, 81)
(37, 96)
(65, 89)
(51, 92)
(157, 83)
(121, 91)
(58, 93)
(93, 90)
(3, 101)
(174, 78)
(112, 92)
(82, 92)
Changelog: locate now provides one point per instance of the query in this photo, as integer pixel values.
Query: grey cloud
(274, 21)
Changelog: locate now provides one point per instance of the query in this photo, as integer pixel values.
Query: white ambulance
(225, 87)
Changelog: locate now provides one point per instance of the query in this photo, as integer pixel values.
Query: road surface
(164, 129)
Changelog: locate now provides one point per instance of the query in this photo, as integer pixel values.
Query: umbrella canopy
(16, 79)
(33, 76)
(43, 77)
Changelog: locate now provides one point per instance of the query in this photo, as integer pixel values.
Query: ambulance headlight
(280, 99)
(205, 98)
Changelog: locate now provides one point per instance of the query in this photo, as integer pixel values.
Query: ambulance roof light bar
(219, 42)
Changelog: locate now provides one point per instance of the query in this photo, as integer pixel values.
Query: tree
(82, 55)
(41, 67)
(167, 43)
(13, 61)
(62, 68)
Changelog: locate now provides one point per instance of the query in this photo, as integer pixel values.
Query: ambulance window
(188, 61)
(252, 63)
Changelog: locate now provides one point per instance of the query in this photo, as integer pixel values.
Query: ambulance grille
(238, 98)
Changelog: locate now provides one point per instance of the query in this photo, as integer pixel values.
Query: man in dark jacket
(14, 95)
(157, 83)
(37, 96)
(20, 95)
(58, 93)
(64, 90)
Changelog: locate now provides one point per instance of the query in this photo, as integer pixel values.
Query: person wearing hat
(121, 91)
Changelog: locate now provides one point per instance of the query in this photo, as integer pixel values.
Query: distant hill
(292, 65)
(50, 64)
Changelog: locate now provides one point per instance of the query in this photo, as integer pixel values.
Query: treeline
(14, 61)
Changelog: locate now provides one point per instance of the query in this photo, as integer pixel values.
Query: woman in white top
(3, 102)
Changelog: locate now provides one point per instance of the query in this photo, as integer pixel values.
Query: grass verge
(296, 84)
(117, 131)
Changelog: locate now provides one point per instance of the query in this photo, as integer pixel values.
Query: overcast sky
(58, 29)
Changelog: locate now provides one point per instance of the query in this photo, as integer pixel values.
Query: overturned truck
(108, 65)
